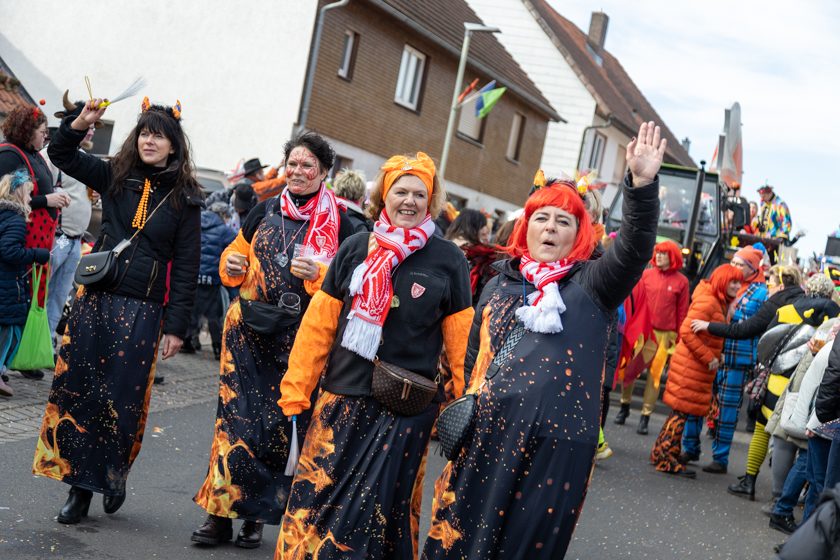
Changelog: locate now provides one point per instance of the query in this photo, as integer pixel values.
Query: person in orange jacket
(271, 185)
(693, 367)
(667, 296)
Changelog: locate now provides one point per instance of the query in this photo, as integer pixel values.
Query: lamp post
(469, 28)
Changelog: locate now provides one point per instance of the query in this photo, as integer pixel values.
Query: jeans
(794, 483)
(819, 450)
(63, 262)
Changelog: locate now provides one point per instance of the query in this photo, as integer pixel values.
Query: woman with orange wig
(693, 366)
(536, 355)
(391, 300)
(667, 296)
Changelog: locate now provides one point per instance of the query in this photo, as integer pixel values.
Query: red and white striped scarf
(542, 312)
(371, 285)
(321, 212)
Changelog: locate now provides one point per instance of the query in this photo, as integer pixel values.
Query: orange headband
(422, 167)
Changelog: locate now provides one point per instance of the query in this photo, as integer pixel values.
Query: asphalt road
(630, 512)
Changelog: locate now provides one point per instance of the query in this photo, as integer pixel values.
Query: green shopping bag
(35, 350)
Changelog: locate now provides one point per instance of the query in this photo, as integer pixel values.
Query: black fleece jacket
(172, 236)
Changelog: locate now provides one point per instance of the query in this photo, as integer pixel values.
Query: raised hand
(91, 113)
(645, 153)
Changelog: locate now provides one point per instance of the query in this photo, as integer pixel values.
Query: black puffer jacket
(172, 235)
(828, 395)
(10, 160)
(15, 289)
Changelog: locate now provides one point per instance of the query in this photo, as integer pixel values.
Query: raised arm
(612, 277)
(64, 150)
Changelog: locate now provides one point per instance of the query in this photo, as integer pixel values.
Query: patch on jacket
(417, 290)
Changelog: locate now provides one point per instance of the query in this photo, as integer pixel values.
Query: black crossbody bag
(455, 422)
(100, 269)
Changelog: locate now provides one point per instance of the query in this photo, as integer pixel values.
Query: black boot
(215, 530)
(76, 506)
(643, 425)
(112, 503)
(745, 487)
(784, 523)
(250, 536)
(622, 415)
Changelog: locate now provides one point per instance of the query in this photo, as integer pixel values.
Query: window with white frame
(348, 55)
(469, 125)
(596, 151)
(410, 79)
(517, 129)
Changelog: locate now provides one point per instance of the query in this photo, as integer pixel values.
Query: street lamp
(469, 28)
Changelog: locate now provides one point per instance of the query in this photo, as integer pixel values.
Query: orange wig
(564, 195)
(672, 250)
(720, 279)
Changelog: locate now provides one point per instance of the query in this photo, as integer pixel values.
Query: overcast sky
(781, 61)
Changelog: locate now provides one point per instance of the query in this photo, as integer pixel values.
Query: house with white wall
(237, 67)
(601, 106)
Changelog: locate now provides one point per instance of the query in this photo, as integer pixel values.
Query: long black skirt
(96, 411)
(358, 487)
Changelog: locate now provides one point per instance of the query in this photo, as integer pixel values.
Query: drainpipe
(586, 131)
(313, 63)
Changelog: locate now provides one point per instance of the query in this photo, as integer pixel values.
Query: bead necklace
(142, 207)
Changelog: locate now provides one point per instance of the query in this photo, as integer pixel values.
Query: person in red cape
(667, 295)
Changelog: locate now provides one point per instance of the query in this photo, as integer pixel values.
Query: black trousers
(208, 303)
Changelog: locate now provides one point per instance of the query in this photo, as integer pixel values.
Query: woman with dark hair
(96, 413)
(470, 231)
(26, 133)
(278, 262)
(536, 351)
(399, 295)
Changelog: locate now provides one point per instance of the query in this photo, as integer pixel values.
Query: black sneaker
(784, 523)
(32, 373)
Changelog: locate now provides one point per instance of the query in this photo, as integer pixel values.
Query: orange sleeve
(309, 353)
(239, 245)
(699, 350)
(312, 286)
(456, 331)
(270, 186)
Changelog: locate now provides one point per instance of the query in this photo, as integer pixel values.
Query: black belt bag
(267, 318)
(402, 391)
(100, 268)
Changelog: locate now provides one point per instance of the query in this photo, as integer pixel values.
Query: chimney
(686, 143)
(598, 29)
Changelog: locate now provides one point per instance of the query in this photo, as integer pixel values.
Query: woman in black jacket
(536, 350)
(96, 413)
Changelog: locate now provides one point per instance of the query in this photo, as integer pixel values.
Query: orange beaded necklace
(142, 207)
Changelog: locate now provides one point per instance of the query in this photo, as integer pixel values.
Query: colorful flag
(489, 95)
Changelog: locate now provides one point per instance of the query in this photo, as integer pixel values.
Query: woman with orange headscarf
(391, 298)
(693, 366)
(536, 352)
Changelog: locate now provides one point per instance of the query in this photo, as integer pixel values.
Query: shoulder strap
(11, 147)
(149, 217)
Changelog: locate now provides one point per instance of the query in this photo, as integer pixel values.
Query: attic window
(599, 60)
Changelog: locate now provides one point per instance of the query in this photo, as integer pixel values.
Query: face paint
(303, 171)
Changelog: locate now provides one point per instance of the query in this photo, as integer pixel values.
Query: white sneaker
(603, 452)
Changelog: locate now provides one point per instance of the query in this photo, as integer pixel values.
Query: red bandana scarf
(542, 312)
(371, 285)
(321, 241)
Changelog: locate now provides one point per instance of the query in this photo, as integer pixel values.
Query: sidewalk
(190, 379)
